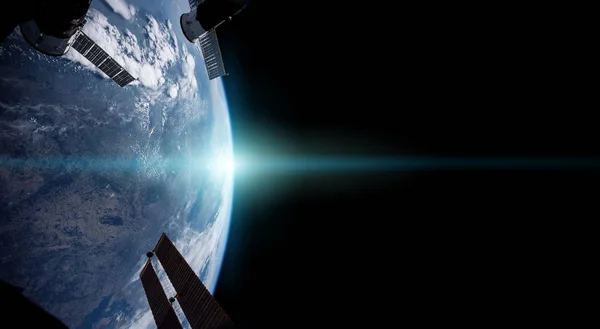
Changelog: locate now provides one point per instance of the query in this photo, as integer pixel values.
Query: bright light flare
(223, 164)
(252, 165)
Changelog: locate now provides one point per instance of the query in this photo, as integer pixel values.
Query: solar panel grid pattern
(95, 54)
(162, 310)
(110, 67)
(199, 306)
(123, 78)
(212, 55)
(82, 43)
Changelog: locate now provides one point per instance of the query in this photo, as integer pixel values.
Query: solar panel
(110, 67)
(123, 78)
(163, 312)
(201, 309)
(95, 54)
(212, 55)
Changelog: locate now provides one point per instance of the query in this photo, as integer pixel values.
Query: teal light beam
(312, 163)
(413, 163)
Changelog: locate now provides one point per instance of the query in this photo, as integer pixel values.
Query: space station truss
(162, 310)
(95, 54)
(212, 55)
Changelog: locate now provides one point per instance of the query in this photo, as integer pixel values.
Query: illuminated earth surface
(91, 173)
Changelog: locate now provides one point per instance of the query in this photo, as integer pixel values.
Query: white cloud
(188, 86)
(173, 90)
(140, 266)
(122, 8)
(142, 320)
(147, 62)
(148, 59)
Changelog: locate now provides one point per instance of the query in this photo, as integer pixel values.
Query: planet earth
(91, 173)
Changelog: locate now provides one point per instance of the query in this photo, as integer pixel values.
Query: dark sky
(386, 248)
(347, 248)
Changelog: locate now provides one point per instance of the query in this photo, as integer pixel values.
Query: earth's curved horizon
(91, 173)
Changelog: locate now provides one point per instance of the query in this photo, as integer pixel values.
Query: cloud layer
(148, 60)
(166, 72)
(122, 8)
(202, 250)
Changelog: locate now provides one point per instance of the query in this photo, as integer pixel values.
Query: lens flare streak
(225, 164)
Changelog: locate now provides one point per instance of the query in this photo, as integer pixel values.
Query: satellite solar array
(95, 54)
(163, 312)
(212, 55)
(201, 309)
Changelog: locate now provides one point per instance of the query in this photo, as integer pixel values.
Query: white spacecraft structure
(56, 27)
(199, 26)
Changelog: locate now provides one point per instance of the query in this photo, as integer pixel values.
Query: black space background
(391, 249)
(385, 249)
